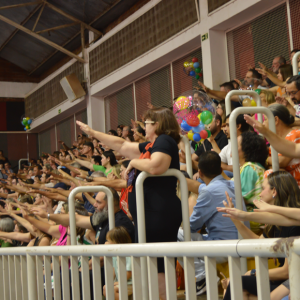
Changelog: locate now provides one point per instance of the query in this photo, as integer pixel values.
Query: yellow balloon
(253, 103)
(27, 118)
(247, 102)
(199, 117)
(191, 64)
(182, 102)
(186, 64)
(190, 135)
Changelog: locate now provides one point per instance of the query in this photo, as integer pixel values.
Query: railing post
(31, 277)
(188, 156)
(294, 267)
(140, 209)
(295, 63)
(86, 189)
(250, 93)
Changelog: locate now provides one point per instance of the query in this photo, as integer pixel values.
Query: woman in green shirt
(108, 161)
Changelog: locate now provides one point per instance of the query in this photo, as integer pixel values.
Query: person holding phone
(162, 206)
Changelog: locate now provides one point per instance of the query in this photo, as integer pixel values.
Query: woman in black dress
(162, 206)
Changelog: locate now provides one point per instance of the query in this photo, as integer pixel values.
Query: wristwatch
(253, 272)
(48, 216)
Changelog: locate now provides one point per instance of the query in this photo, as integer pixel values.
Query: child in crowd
(119, 235)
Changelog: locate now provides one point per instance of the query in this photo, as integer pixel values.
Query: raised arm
(280, 144)
(18, 236)
(127, 149)
(84, 163)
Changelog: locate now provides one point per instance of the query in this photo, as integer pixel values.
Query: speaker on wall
(72, 87)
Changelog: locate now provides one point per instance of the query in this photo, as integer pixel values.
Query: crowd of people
(34, 199)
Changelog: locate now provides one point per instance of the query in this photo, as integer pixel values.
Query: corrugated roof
(27, 52)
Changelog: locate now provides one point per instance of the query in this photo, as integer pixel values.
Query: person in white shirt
(225, 154)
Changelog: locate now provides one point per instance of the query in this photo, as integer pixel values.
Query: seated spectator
(225, 153)
(293, 52)
(6, 225)
(119, 235)
(112, 132)
(139, 134)
(210, 195)
(283, 121)
(281, 192)
(253, 152)
(217, 134)
(120, 130)
(88, 149)
(267, 98)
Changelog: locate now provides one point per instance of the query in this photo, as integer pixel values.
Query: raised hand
(255, 124)
(262, 206)
(85, 128)
(262, 66)
(202, 86)
(39, 212)
(149, 105)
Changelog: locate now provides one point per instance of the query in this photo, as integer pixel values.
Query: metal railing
(23, 159)
(188, 156)
(295, 63)
(13, 283)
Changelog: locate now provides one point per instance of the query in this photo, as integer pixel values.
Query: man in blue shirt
(211, 194)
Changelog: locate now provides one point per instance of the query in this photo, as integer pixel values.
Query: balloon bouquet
(194, 111)
(193, 68)
(26, 123)
(251, 102)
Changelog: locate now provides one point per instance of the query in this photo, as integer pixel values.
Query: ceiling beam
(23, 23)
(38, 17)
(57, 27)
(58, 10)
(74, 36)
(42, 39)
(20, 5)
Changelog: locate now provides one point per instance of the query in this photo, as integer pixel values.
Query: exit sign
(204, 37)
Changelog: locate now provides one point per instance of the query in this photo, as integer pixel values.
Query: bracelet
(48, 217)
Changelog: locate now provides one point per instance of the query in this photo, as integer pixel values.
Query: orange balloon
(247, 102)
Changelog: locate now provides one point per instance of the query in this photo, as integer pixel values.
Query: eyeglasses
(149, 122)
(293, 93)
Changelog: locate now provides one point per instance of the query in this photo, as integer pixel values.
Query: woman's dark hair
(288, 193)
(119, 235)
(125, 163)
(282, 113)
(254, 148)
(113, 132)
(120, 126)
(21, 228)
(167, 123)
(286, 71)
(97, 159)
(111, 156)
(141, 130)
(31, 181)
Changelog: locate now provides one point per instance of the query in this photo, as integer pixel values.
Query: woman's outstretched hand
(84, 127)
(262, 206)
(255, 124)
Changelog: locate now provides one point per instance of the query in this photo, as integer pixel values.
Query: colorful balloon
(198, 128)
(27, 118)
(190, 135)
(24, 122)
(206, 117)
(192, 120)
(191, 64)
(182, 103)
(196, 137)
(199, 117)
(196, 65)
(186, 64)
(203, 134)
(197, 76)
(195, 59)
(247, 102)
(208, 132)
(185, 126)
(253, 103)
(29, 121)
(192, 73)
(258, 91)
(27, 126)
(197, 70)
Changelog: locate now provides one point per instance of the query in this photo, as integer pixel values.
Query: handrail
(140, 207)
(23, 159)
(251, 93)
(295, 63)
(188, 156)
(234, 147)
(86, 189)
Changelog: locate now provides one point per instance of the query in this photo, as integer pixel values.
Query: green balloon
(24, 122)
(208, 132)
(258, 91)
(197, 76)
(197, 70)
(206, 117)
(29, 127)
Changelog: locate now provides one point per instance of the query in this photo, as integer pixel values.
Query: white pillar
(214, 52)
